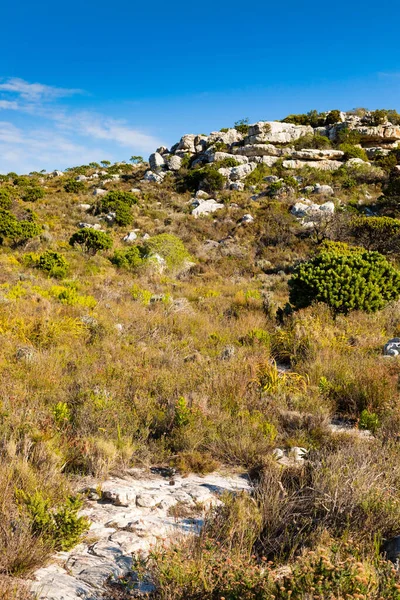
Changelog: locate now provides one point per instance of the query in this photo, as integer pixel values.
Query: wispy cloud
(56, 135)
(33, 92)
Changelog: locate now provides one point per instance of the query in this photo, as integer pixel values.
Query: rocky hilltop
(267, 142)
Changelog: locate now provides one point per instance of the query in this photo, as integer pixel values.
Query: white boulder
(207, 207)
(276, 133)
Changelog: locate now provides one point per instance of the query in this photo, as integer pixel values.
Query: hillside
(230, 305)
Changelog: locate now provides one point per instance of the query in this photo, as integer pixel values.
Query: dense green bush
(376, 233)
(332, 117)
(91, 240)
(5, 199)
(111, 199)
(313, 118)
(208, 178)
(33, 193)
(312, 141)
(16, 231)
(379, 116)
(119, 202)
(348, 136)
(356, 280)
(170, 248)
(227, 163)
(74, 187)
(61, 527)
(53, 263)
(242, 126)
(351, 151)
(128, 259)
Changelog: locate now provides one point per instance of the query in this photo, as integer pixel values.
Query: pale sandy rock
(276, 133)
(206, 207)
(381, 133)
(261, 150)
(323, 165)
(354, 162)
(314, 154)
(227, 137)
(222, 155)
(265, 160)
(174, 163)
(156, 161)
(99, 192)
(187, 143)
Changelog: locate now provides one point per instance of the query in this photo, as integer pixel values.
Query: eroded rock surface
(132, 514)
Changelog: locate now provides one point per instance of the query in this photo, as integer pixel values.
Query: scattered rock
(392, 347)
(207, 207)
(156, 161)
(174, 163)
(99, 192)
(228, 352)
(247, 219)
(25, 353)
(130, 237)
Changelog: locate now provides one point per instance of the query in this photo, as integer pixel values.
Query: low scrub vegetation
(134, 334)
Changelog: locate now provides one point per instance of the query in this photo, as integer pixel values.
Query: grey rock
(228, 352)
(323, 165)
(206, 207)
(25, 353)
(276, 133)
(312, 154)
(130, 237)
(156, 161)
(175, 163)
(99, 192)
(392, 347)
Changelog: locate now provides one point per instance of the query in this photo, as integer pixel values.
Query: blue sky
(83, 81)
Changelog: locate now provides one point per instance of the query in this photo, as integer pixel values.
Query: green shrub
(14, 230)
(170, 248)
(91, 240)
(368, 420)
(357, 280)
(376, 233)
(313, 118)
(53, 263)
(206, 177)
(242, 126)
(119, 202)
(33, 193)
(348, 136)
(116, 197)
(74, 187)
(379, 116)
(312, 141)
(128, 259)
(256, 177)
(332, 117)
(62, 526)
(123, 214)
(351, 151)
(226, 163)
(21, 181)
(5, 199)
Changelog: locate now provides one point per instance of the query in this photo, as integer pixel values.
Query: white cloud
(99, 127)
(33, 92)
(56, 136)
(24, 151)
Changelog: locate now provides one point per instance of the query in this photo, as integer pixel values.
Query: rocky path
(131, 514)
